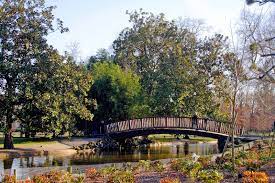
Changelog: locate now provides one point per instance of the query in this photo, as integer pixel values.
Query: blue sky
(96, 24)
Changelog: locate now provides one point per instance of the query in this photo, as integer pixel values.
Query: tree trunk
(8, 141)
(27, 134)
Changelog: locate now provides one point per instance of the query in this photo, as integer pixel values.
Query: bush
(122, 177)
(106, 171)
(78, 179)
(115, 175)
(227, 166)
(210, 176)
(9, 179)
(91, 173)
(169, 180)
(242, 155)
(188, 167)
(252, 164)
(178, 164)
(54, 176)
(157, 166)
(257, 177)
(205, 161)
(143, 165)
(192, 169)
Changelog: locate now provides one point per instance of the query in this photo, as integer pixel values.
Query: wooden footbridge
(173, 125)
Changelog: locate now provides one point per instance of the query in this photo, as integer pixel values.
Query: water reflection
(151, 152)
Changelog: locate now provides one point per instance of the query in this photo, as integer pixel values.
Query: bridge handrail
(173, 122)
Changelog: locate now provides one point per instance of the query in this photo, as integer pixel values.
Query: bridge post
(194, 121)
(242, 131)
(129, 124)
(220, 126)
(117, 127)
(221, 143)
(205, 124)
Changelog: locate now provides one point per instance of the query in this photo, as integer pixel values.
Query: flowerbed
(247, 163)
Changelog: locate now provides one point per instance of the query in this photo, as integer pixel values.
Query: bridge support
(221, 143)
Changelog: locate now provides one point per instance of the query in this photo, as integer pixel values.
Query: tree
(24, 26)
(62, 94)
(116, 92)
(100, 56)
(172, 62)
(256, 33)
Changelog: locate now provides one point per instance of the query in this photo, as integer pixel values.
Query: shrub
(157, 166)
(9, 179)
(221, 160)
(227, 166)
(264, 156)
(205, 161)
(144, 165)
(78, 179)
(128, 166)
(257, 177)
(122, 177)
(106, 171)
(253, 155)
(192, 169)
(186, 166)
(91, 173)
(178, 164)
(210, 176)
(242, 155)
(252, 164)
(169, 180)
(53, 177)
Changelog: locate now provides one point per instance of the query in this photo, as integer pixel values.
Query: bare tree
(257, 33)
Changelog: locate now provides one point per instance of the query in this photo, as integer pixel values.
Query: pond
(154, 151)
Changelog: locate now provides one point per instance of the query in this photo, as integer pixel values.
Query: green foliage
(210, 176)
(108, 170)
(205, 161)
(102, 55)
(192, 169)
(186, 166)
(144, 165)
(122, 177)
(157, 166)
(178, 164)
(116, 175)
(176, 70)
(63, 94)
(24, 27)
(116, 91)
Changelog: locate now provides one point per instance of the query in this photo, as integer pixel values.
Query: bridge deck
(159, 123)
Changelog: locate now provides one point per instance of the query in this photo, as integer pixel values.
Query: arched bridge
(173, 125)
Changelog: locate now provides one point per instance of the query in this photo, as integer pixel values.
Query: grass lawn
(22, 141)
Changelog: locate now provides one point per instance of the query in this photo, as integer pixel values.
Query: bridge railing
(173, 122)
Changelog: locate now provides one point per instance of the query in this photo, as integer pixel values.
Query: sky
(95, 24)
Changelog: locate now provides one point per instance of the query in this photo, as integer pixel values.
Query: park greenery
(189, 169)
(158, 67)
